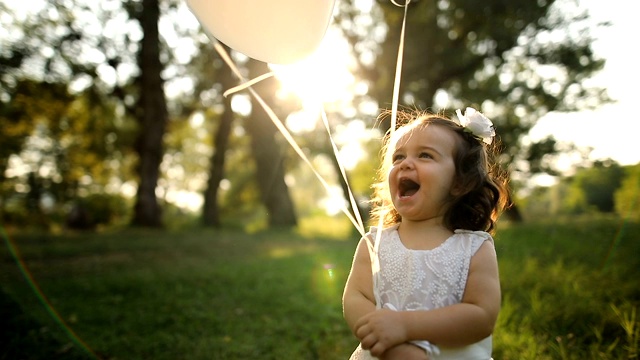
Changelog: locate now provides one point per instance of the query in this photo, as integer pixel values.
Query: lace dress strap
(477, 238)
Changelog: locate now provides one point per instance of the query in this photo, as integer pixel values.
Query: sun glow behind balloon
(323, 78)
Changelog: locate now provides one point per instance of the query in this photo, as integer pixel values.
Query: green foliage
(598, 184)
(364, 174)
(138, 294)
(605, 187)
(627, 196)
(102, 210)
(564, 285)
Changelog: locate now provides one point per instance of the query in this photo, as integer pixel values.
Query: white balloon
(273, 31)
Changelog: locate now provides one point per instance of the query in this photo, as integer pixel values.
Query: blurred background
(112, 112)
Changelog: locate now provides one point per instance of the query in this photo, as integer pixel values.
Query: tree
(599, 183)
(269, 158)
(100, 57)
(590, 189)
(54, 108)
(13, 108)
(211, 209)
(17, 119)
(151, 112)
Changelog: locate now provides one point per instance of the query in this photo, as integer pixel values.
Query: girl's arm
(451, 326)
(358, 299)
(404, 351)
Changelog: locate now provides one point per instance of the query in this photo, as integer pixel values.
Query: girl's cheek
(390, 174)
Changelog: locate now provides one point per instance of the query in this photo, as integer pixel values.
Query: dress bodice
(424, 279)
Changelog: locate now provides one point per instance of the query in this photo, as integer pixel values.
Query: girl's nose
(406, 164)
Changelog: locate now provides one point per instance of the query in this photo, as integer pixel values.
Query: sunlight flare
(323, 77)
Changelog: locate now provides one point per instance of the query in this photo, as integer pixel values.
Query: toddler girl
(424, 284)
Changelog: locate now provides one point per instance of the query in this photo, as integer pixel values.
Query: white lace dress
(426, 279)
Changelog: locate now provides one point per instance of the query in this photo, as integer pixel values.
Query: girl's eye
(397, 157)
(425, 155)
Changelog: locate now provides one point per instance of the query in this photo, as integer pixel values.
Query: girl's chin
(408, 212)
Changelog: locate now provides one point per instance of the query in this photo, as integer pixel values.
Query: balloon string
(246, 84)
(352, 200)
(375, 260)
(283, 130)
(373, 250)
(398, 4)
(396, 82)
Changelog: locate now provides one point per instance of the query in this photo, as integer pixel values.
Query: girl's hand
(379, 331)
(405, 351)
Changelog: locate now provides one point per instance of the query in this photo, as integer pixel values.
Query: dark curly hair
(483, 191)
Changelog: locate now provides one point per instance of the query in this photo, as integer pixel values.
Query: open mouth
(407, 187)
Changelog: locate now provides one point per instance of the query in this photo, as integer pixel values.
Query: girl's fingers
(362, 321)
(368, 342)
(377, 349)
(362, 332)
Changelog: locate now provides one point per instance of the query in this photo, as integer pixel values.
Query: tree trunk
(211, 209)
(152, 115)
(268, 155)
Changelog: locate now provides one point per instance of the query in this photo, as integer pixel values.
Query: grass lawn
(570, 291)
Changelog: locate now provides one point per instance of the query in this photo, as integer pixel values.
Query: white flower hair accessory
(476, 123)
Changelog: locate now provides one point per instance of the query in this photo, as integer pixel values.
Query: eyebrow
(426, 147)
(420, 148)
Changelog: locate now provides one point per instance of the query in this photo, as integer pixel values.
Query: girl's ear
(457, 189)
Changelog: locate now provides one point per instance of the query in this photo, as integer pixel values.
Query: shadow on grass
(23, 337)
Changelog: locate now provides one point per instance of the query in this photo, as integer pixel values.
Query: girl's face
(422, 172)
